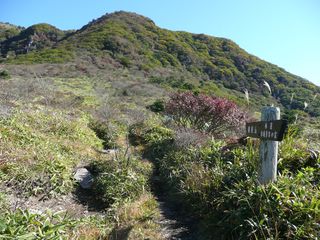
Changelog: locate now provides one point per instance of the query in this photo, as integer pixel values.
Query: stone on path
(84, 177)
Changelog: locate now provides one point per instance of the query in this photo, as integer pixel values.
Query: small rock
(107, 151)
(112, 151)
(35, 211)
(84, 177)
(314, 154)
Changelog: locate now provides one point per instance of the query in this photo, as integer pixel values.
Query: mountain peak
(42, 28)
(127, 16)
(8, 30)
(37, 36)
(120, 16)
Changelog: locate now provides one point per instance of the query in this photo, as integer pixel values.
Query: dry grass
(142, 215)
(87, 233)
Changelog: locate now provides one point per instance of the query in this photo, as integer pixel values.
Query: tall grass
(40, 148)
(217, 183)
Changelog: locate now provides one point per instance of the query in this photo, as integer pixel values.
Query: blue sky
(283, 32)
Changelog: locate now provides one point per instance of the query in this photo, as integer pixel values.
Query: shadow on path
(174, 224)
(86, 197)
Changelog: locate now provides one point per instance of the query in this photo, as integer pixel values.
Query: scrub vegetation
(155, 116)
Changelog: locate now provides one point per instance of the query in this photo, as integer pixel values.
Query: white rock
(112, 151)
(84, 177)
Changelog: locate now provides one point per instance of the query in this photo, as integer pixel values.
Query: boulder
(84, 177)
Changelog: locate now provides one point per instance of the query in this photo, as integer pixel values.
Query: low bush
(294, 152)
(4, 74)
(47, 55)
(120, 180)
(218, 184)
(149, 132)
(286, 209)
(125, 61)
(213, 115)
(173, 82)
(26, 225)
(156, 137)
(104, 133)
(157, 106)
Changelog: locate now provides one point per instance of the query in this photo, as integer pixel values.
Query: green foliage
(119, 180)
(4, 74)
(36, 37)
(294, 154)
(217, 183)
(26, 225)
(157, 106)
(284, 210)
(136, 42)
(8, 30)
(53, 55)
(103, 132)
(150, 132)
(42, 147)
(173, 82)
(125, 61)
(293, 116)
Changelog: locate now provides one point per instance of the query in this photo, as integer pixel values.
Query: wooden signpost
(270, 130)
(267, 130)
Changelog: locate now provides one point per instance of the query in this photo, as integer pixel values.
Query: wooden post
(268, 149)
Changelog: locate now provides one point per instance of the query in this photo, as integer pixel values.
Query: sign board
(267, 130)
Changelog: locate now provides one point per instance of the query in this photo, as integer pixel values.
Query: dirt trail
(173, 225)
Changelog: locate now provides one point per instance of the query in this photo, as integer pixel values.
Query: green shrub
(157, 106)
(104, 133)
(174, 82)
(283, 210)
(227, 196)
(123, 179)
(149, 133)
(54, 55)
(125, 61)
(4, 74)
(26, 225)
(294, 155)
(218, 184)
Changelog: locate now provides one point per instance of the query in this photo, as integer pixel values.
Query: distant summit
(36, 37)
(8, 30)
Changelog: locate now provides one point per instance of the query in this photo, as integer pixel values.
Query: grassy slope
(45, 133)
(43, 144)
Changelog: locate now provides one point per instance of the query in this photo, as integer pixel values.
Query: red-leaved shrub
(213, 115)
